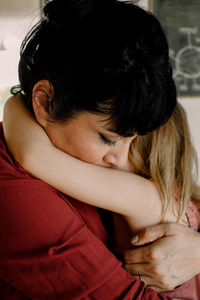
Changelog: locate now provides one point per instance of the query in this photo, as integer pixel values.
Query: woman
(165, 157)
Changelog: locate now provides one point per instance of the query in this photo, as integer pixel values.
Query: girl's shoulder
(192, 214)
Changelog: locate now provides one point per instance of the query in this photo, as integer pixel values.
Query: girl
(161, 187)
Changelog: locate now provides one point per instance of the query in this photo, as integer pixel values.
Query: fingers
(138, 255)
(142, 272)
(141, 269)
(165, 262)
(143, 278)
(144, 254)
(149, 282)
(153, 233)
(155, 288)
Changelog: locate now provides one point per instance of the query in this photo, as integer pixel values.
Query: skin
(86, 137)
(171, 260)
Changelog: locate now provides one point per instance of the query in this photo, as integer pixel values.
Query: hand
(171, 258)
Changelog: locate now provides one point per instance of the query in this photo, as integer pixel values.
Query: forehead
(89, 120)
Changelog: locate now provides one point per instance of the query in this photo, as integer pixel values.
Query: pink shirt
(190, 290)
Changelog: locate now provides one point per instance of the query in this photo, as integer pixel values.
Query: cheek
(79, 143)
(89, 153)
(83, 148)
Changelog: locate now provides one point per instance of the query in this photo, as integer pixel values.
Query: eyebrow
(107, 126)
(109, 133)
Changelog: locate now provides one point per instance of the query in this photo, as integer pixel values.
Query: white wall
(16, 18)
(144, 3)
(192, 107)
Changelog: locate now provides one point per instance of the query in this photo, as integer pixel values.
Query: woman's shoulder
(33, 215)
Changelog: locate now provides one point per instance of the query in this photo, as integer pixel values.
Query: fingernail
(135, 239)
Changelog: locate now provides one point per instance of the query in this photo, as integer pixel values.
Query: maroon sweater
(53, 247)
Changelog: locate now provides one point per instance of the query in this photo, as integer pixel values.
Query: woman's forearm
(118, 191)
(22, 133)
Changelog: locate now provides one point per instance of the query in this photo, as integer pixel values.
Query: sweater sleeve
(48, 252)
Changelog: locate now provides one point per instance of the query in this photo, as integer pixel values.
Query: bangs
(141, 103)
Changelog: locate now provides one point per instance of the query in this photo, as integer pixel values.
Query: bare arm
(118, 191)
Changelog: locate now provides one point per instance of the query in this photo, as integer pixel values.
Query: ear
(41, 97)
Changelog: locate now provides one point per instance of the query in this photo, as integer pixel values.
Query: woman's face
(88, 138)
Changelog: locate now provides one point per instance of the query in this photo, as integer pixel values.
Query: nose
(117, 157)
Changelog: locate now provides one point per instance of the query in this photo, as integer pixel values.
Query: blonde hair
(167, 156)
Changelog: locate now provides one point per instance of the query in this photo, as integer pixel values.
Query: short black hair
(105, 57)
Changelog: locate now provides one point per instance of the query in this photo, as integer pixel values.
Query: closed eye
(106, 140)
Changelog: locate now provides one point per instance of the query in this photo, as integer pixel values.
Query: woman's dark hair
(105, 57)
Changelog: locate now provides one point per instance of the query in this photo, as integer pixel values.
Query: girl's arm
(117, 191)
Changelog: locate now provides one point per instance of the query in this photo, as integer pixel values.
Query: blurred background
(18, 16)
